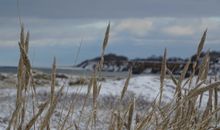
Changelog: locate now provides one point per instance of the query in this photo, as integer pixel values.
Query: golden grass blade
(130, 115)
(165, 124)
(202, 75)
(95, 95)
(183, 74)
(99, 89)
(145, 121)
(23, 78)
(201, 125)
(172, 77)
(199, 50)
(198, 91)
(85, 99)
(53, 79)
(208, 106)
(70, 110)
(87, 96)
(27, 42)
(200, 99)
(22, 36)
(95, 90)
(126, 84)
(105, 42)
(22, 115)
(53, 99)
(137, 118)
(119, 120)
(201, 44)
(14, 115)
(76, 127)
(111, 122)
(216, 102)
(162, 75)
(35, 117)
(50, 111)
(104, 45)
(25, 59)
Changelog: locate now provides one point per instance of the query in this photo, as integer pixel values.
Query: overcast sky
(139, 28)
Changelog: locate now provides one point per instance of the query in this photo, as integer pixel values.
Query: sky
(139, 28)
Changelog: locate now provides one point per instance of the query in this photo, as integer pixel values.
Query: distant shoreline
(64, 70)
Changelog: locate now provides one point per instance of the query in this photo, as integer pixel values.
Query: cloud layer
(111, 8)
(138, 28)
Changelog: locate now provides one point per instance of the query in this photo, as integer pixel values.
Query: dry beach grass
(184, 112)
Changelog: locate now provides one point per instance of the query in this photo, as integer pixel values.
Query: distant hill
(117, 63)
(214, 56)
(112, 62)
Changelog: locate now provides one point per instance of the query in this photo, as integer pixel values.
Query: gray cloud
(109, 9)
(141, 30)
(141, 27)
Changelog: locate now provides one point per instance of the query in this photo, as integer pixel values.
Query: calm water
(73, 71)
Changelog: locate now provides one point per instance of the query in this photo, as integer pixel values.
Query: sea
(65, 70)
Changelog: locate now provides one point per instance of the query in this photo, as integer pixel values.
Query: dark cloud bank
(111, 8)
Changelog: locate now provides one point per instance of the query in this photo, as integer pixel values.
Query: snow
(147, 86)
(111, 67)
